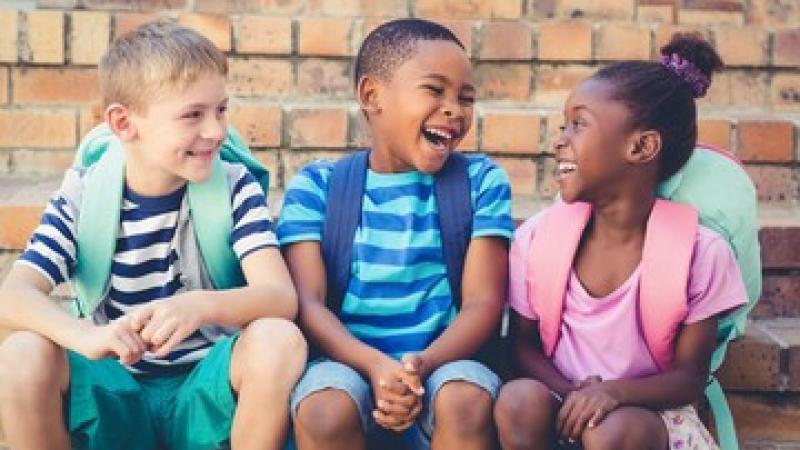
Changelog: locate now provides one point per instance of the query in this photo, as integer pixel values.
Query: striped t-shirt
(155, 256)
(398, 299)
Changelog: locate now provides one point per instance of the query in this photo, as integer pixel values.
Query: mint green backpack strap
(723, 419)
(235, 149)
(212, 219)
(98, 225)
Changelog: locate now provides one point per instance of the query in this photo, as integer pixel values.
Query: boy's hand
(163, 324)
(590, 380)
(397, 406)
(587, 406)
(116, 339)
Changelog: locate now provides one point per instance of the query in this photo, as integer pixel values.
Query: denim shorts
(324, 374)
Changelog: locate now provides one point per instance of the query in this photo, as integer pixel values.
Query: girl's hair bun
(691, 58)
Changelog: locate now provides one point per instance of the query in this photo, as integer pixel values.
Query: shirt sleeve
(252, 225)
(518, 270)
(715, 283)
(303, 211)
(51, 249)
(491, 192)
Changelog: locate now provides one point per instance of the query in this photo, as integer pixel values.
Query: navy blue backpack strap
(454, 202)
(342, 216)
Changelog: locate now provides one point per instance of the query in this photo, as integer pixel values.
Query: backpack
(713, 182)
(97, 227)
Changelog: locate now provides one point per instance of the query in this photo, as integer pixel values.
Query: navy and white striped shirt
(148, 263)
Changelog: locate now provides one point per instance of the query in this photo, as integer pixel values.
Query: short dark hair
(393, 43)
(660, 99)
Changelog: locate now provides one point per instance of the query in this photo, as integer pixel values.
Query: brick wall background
(290, 74)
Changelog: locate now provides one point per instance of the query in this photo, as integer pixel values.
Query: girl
(597, 375)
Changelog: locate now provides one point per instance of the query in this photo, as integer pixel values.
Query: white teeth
(440, 133)
(564, 167)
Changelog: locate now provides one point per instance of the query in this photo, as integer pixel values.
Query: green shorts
(108, 407)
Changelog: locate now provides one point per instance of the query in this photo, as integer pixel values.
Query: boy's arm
(526, 349)
(26, 305)
(483, 290)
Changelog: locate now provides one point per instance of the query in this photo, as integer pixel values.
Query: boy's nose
(214, 128)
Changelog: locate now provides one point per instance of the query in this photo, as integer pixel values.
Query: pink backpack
(666, 259)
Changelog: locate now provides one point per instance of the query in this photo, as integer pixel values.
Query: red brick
(766, 419)
(318, 127)
(216, 28)
(91, 32)
(3, 85)
(271, 160)
(553, 84)
(260, 125)
(260, 77)
(266, 35)
(294, 161)
(511, 132)
(324, 78)
(46, 37)
(90, 117)
(778, 13)
(742, 46)
(779, 246)
(655, 14)
(707, 18)
(780, 298)
(715, 131)
(542, 9)
(51, 86)
(522, 174)
(41, 162)
(506, 40)
(9, 25)
(602, 9)
(775, 185)
(622, 41)
(742, 89)
(553, 35)
(124, 22)
(665, 31)
(771, 141)
(785, 91)
(787, 47)
(35, 128)
(752, 363)
(138, 5)
(324, 36)
(469, 9)
(503, 81)
(16, 225)
(280, 7)
(358, 8)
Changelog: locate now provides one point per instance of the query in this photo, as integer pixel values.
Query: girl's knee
(327, 415)
(524, 400)
(463, 407)
(627, 428)
(31, 362)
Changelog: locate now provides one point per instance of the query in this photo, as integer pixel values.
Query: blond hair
(157, 55)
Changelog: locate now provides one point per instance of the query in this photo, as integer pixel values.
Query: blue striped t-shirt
(398, 299)
(149, 261)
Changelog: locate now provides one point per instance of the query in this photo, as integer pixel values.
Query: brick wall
(290, 73)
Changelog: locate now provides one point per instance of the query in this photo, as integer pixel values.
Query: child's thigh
(628, 428)
(106, 406)
(324, 374)
(204, 406)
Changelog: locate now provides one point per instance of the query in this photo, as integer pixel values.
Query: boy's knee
(31, 362)
(328, 415)
(463, 407)
(271, 347)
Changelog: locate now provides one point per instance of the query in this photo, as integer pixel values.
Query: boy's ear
(367, 94)
(645, 147)
(118, 118)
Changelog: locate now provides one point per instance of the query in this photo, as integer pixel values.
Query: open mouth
(442, 139)
(564, 168)
(203, 154)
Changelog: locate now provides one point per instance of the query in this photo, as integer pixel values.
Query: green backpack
(715, 183)
(209, 202)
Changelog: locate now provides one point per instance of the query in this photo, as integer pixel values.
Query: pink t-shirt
(602, 336)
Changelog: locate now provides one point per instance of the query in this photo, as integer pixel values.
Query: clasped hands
(398, 391)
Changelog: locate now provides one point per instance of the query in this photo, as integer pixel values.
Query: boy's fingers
(392, 385)
(139, 317)
(168, 346)
(413, 383)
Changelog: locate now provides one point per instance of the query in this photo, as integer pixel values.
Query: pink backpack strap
(552, 251)
(666, 260)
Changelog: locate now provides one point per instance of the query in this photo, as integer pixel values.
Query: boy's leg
(332, 407)
(525, 415)
(628, 428)
(458, 409)
(34, 376)
(260, 368)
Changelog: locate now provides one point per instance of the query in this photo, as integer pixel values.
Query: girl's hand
(397, 406)
(590, 380)
(164, 324)
(584, 407)
(116, 339)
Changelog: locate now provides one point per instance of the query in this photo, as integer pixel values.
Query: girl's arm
(483, 289)
(529, 357)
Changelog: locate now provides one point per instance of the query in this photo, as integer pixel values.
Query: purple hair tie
(688, 72)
